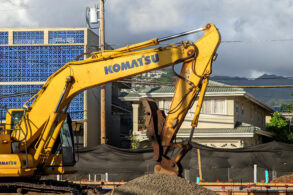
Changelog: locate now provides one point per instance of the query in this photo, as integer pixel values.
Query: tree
(287, 107)
(166, 77)
(281, 128)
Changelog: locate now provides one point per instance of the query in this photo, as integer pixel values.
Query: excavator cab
(13, 116)
(67, 143)
(63, 153)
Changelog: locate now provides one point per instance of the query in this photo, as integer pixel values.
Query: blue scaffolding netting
(35, 64)
(63, 37)
(3, 38)
(28, 37)
(76, 107)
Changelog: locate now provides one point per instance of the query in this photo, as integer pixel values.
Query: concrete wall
(92, 40)
(109, 119)
(91, 100)
(92, 117)
(92, 125)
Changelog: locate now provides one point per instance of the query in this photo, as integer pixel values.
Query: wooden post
(255, 173)
(199, 164)
(103, 88)
(102, 26)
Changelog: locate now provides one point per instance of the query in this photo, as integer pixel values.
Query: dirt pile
(284, 179)
(160, 184)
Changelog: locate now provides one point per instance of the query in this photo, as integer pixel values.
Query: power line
(52, 48)
(18, 94)
(215, 86)
(257, 41)
(160, 84)
(227, 41)
(252, 86)
(249, 79)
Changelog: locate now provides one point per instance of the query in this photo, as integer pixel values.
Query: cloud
(256, 23)
(152, 15)
(14, 13)
(256, 74)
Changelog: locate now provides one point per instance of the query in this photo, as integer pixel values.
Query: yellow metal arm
(43, 117)
(99, 69)
(199, 102)
(195, 71)
(193, 80)
(39, 128)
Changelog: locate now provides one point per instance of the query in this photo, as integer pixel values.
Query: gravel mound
(160, 184)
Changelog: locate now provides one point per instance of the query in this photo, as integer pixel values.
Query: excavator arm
(38, 130)
(191, 83)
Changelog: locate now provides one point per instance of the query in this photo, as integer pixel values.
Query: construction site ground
(147, 184)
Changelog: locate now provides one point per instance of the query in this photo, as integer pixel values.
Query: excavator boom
(37, 132)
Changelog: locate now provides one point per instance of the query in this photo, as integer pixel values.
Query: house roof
(212, 90)
(244, 130)
(163, 89)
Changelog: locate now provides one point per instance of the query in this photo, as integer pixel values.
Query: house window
(214, 107)
(236, 106)
(167, 106)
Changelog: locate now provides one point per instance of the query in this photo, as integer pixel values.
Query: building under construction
(29, 56)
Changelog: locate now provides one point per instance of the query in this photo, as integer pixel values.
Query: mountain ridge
(274, 97)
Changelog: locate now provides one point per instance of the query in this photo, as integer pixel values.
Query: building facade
(230, 117)
(29, 56)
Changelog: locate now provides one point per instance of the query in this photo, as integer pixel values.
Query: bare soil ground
(160, 184)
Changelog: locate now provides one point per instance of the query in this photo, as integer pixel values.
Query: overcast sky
(265, 27)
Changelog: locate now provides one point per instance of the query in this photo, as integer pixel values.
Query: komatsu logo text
(144, 60)
(8, 162)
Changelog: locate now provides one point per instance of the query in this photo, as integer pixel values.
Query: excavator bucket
(154, 122)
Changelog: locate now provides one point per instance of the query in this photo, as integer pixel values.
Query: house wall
(218, 112)
(215, 120)
(221, 142)
(235, 142)
(235, 110)
(211, 120)
(248, 112)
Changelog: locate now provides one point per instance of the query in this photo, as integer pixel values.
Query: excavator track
(48, 187)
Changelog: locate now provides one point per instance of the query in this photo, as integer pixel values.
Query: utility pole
(103, 88)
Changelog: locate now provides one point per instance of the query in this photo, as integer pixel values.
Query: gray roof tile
(241, 129)
(170, 89)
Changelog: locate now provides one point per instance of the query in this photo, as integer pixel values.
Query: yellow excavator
(38, 140)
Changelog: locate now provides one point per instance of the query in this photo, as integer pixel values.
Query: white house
(230, 117)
